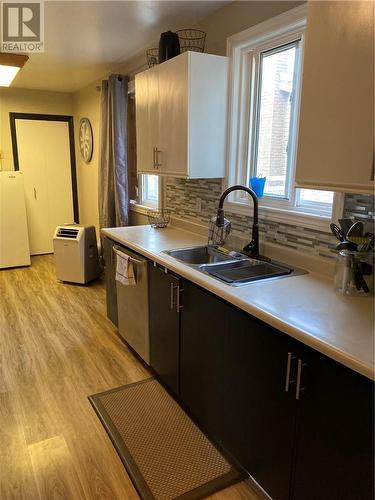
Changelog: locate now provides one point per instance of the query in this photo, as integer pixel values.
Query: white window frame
(144, 200)
(241, 50)
(256, 54)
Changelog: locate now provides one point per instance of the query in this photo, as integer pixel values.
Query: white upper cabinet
(173, 117)
(181, 114)
(336, 134)
(147, 99)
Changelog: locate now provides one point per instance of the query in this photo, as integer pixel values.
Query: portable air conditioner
(76, 253)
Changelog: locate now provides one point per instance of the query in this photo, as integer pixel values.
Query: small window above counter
(181, 112)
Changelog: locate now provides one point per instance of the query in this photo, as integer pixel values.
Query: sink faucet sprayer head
(218, 229)
(220, 218)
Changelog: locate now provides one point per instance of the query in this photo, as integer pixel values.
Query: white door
(44, 159)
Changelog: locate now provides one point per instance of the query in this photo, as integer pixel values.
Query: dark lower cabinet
(263, 434)
(335, 432)
(164, 326)
(110, 273)
(301, 424)
(306, 433)
(203, 364)
(233, 371)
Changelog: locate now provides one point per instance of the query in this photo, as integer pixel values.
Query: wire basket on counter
(159, 218)
(191, 39)
(152, 57)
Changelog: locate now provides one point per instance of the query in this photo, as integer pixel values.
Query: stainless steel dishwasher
(132, 304)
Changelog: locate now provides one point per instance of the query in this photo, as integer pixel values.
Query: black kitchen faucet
(252, 248)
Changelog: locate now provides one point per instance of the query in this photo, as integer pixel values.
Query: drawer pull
(290, 358)
(299, 389)
(171, 296)
(156, 161)
(178, 298)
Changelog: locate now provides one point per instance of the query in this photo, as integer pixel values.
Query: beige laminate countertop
(304, 307)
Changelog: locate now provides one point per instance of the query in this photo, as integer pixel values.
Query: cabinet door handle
(299, 389)
(171, 296)
(290, 358)
(35, 193)
(153, 156)
(178, 303)
(157, 164)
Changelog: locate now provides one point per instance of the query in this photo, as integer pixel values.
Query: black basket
(152, 57)
(191, 39)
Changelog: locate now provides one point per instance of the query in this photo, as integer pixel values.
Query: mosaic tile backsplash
(197, 200)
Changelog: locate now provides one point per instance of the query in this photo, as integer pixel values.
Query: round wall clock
(85, 139)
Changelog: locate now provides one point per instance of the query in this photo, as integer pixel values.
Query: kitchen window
(266, 75)
(149, 190)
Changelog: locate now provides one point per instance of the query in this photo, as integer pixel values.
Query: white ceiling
(85, 39)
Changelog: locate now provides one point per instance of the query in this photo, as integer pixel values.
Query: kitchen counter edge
(212, 285)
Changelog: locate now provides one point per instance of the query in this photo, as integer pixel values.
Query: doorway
(43, 149)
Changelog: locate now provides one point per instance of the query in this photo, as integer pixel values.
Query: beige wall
(230, 19)
(236, 17)
(87, 105)
(27, 101)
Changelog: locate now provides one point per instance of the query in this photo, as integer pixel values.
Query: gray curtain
(113, 164)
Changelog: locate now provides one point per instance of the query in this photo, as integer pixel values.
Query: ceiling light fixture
(10, 64)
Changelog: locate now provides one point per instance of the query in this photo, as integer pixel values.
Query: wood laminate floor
(56, 348)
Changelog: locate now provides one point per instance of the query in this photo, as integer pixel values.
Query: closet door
(44, 158)
(58, 174)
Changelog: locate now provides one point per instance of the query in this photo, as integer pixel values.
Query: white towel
(124, 269)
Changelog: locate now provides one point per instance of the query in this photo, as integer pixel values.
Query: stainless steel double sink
(233, 269)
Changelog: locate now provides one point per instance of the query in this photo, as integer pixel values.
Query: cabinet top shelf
(186, 56)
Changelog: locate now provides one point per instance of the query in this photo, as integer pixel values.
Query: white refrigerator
(14, 239)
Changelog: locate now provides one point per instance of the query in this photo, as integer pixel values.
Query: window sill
(140, 209)
(291, 217)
